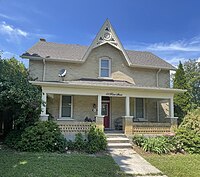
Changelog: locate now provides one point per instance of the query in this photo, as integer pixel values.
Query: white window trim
(60, 109)
(144, 108)
(109, 62)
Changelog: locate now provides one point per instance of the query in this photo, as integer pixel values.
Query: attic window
(105, 67)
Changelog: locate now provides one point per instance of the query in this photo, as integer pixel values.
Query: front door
(106, 114)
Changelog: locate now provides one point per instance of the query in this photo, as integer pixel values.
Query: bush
(158, 145)
(188, 133)
(42, 137)
(80, 142)
(13, 138)
(95, 141)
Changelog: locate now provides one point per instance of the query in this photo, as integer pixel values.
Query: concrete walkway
(132, 163)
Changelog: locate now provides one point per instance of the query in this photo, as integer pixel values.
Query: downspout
(157, 77)
(158, 103)
(44, 70)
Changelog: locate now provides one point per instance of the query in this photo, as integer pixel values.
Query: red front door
(106, 114)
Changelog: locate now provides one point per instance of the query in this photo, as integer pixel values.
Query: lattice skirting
(151, 128)
(75, 127)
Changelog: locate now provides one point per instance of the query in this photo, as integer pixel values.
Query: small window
(105, 67)
(139, 108)
(66, 106)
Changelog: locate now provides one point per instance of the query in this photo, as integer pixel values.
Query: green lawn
(178, 165)
(16, 164)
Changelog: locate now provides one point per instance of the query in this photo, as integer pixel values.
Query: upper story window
(105, 67)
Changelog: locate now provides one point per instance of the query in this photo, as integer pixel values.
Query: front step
(117, 140)
(119, 145)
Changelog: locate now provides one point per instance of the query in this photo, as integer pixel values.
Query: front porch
(77, 113)
(132, 109)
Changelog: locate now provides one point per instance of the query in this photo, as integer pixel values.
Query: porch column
(171, 112)
(43, 115)
(171, 107)
(128, 120)
(127, 106)
(99, 117)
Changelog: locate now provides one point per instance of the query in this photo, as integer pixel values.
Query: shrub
(188, 133)
(159, 145)
(13, 138)
(79, 144)
(96, 140)
(42, 137)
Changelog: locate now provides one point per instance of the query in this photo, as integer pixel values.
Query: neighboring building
(103, 81)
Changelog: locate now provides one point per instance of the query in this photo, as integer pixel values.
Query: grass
(24, 164)
(174, 165)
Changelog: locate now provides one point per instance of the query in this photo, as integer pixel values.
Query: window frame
(109, 67)
(60, 111)
(144, 109)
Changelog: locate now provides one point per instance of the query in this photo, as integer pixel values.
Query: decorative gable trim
(107, 35)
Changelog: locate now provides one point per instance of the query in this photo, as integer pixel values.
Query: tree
(181, 100)
(20, 100)
(192, 72)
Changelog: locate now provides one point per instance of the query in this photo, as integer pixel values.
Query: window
(105, 67)
(66, 106)
(139, 107)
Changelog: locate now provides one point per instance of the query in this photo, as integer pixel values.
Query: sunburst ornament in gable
(107, 36)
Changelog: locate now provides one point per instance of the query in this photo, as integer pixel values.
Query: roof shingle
(74, 52)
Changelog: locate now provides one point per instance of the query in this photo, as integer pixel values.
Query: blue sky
(168, 28)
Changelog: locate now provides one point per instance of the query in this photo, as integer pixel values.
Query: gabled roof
(107, 35)
(74, 53)
(77, 53)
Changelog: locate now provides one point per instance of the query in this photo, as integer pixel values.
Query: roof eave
(54, 84)
(50, 59)
(152, 67)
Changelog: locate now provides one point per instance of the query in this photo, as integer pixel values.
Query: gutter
(157, 85)
(64, 84)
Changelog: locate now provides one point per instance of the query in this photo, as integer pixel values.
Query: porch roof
(103, 84)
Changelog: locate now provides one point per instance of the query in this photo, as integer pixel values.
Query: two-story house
(121, 89)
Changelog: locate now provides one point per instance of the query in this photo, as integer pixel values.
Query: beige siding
(36, 69)
(151, 110)
(164, 79)
(83, 106)
(90, 69)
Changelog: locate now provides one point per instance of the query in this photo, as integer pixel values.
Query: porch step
(118, 140)
(119, 145)
(115, 135)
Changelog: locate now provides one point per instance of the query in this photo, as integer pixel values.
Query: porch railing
(151, 128)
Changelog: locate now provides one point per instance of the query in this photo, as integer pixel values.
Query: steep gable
(107, 35)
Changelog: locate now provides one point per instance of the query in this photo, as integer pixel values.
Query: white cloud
(190, 45)
(12, 31)
(172, 52)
